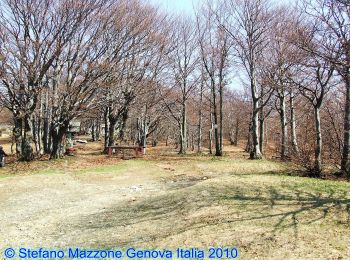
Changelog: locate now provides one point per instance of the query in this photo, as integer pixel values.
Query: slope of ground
(171, 201)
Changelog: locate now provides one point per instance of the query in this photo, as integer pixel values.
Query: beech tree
(313, 78)
(215, 48)
(280, 60)
(33, 34)
(148, 116)
(137, 46)
(183, 63)
(75, 77)
(248, 24)
(327, 23)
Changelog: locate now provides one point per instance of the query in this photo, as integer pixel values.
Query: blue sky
(177, 6)
(186, 6)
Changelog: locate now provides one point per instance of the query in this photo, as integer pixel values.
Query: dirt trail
(168, 201)
(36, 207)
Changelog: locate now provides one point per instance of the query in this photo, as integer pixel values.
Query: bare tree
(314, 87)
(281, 58)
(137, 48)
(215, 48)
(33, 34)
(76, 76)
(327, 23)
(183, 65)
(248, 24)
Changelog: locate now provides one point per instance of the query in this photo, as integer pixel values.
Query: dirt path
(175, 201)
(38, 209)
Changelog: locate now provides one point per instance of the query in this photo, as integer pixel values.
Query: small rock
(205, 193)
(136, 188)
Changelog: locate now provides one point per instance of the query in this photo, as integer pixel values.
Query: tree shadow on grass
(155, 218)
(297, 208)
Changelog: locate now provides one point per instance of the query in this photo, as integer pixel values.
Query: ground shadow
(166, 215)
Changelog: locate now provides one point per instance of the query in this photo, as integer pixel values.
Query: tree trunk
(255, 154)
(283, 121)
(216, 126)
(98, 129)
(58, 134)
(39, 134)
(106, 122)
(144, 136)
(200, 119)
(249, 146)
(192, 142)
(262, 134)
(318, 148)
(93, 131)
(293, 124)
(261, 122)
(17, 133)
(36, 138)
(232, 137)
(122, 123)
(183, 130)
(46, 125)
(27, 139)
(346, 145)
(211, 125)
(221, 134)
(236, 132)
(199, 140)
(111, 131)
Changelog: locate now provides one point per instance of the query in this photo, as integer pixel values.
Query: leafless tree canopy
(271, 77)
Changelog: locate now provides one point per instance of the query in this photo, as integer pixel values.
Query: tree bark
(58, 133)
(211, 125)
(255, 153)
(27, 139)
(293, 124)
(200, 119)
(46, 125)
(106, 132)
(262, 134)
(235, 143)
(17, 133)
(111, 131)
(318, 148)
(283, 121)
(216, 126)
(93, 131)
(346, 139)
(36, 130)
(221, 134)
(183, 130)
(261, 122)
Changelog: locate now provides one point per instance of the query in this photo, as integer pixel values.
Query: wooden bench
(137, 149)
(71, 151)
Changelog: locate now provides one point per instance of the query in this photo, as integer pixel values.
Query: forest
(272, 77)
(175, 129)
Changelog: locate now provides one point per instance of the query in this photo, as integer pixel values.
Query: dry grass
(170, 201)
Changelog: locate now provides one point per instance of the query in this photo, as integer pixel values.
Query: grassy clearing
(265, 216)
(191, 201)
